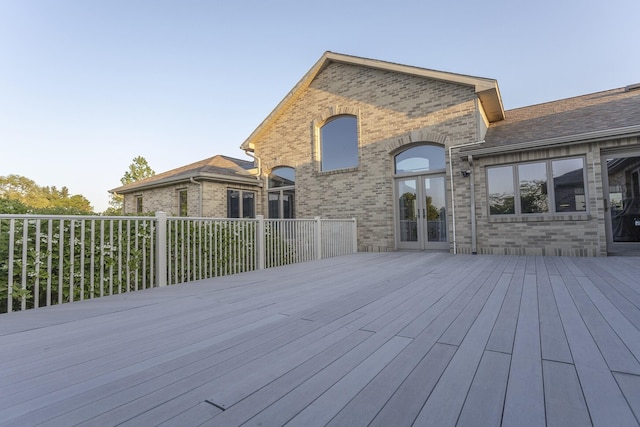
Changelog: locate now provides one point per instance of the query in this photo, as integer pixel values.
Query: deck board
(524, 402)
(485, 402)
(405, 338)
(564, 401)
(605, 401)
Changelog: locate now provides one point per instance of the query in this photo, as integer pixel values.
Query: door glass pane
(533, 188)
(288, 204)
(624, 198)
(434, 191)
(274, 205)
(407, 210)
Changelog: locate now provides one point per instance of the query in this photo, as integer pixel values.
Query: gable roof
(217, 168)
(487, 89)
(603, 115)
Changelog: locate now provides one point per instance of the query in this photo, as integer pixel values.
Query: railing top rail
(67, 217)
(204, 218)
(289, 219)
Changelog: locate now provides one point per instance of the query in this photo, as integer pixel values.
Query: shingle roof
(612, 109)
(214, 168)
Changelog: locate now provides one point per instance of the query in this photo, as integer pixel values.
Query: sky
(87, 85)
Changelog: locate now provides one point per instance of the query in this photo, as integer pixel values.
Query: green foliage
(12, 206)
(139, 169)
(61, 260)
(40, 199)
(71, 260)
(203, 248)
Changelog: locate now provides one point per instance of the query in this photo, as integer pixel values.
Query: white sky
(86, 86)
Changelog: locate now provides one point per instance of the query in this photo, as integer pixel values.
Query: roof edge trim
(487, 89)
(581, 138)
(187, 179)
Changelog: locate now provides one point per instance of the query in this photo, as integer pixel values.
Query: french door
(621, 179)
(421, 212)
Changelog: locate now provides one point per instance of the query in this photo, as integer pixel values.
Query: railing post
(161, 249)
(355, 235)
(318, 236)
(260, 238)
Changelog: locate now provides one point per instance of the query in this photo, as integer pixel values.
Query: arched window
(282, 192)
(339, 143)
(421, 158)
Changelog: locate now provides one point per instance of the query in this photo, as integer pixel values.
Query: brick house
(218, 187)
(429, 160)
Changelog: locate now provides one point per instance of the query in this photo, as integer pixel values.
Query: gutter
(257, 160)
(199, 184)
(453, 199)
(472, 186)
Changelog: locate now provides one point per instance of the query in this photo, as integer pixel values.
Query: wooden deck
(392, 339)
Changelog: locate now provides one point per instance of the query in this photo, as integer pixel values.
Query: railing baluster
(82, 231)
(12, 240)
(49, 258)
(72, 235)
(61, 262)
(36, 282)
(102, 258)
(137, 251)
(112, 256)
(92, 259)
(25, 236)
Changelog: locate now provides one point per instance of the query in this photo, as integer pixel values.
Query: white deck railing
(47, 260)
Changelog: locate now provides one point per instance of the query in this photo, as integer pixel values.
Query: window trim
(548, 163)
(317, 143)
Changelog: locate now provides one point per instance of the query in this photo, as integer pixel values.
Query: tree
(138, 170)
(22, 195)
(23, 189)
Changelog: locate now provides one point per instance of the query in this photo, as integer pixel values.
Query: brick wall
(393, 111)
(582, 234)
(214, 199)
